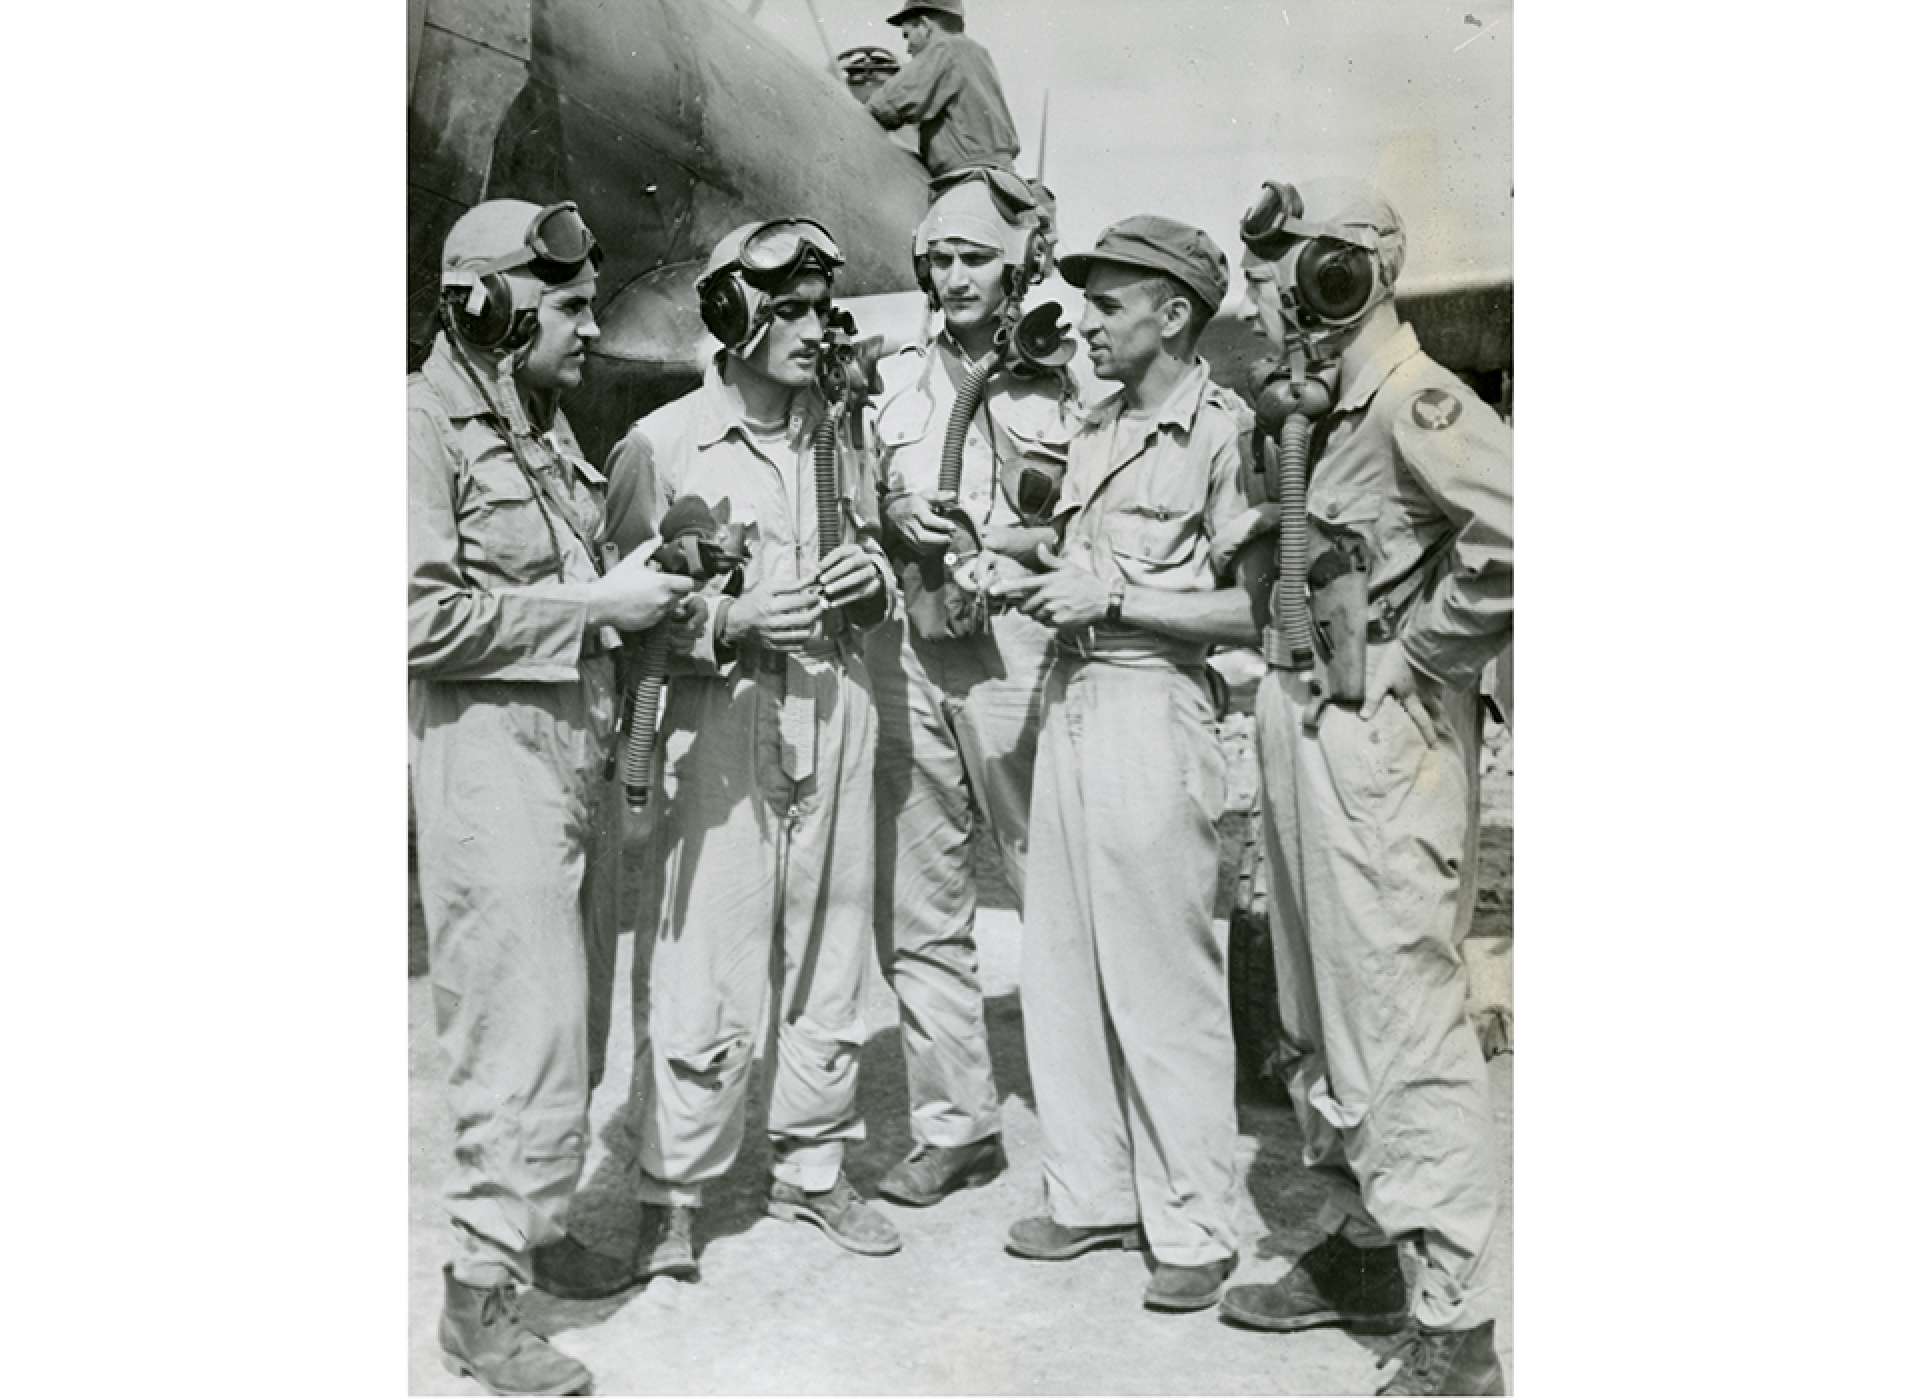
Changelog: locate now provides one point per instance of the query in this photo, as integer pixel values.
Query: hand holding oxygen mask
(848, 572)
(702, 547)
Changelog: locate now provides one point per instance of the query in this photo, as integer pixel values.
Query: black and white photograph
(922, 654)
(960, 653)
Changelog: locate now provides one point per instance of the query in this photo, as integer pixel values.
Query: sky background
(1182, 107)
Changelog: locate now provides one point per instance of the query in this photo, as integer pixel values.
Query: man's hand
(685, 624)
(1390, 673)
(633, 595)
(1068, 597)
(780, 617)
(851, 572)
(918, 522)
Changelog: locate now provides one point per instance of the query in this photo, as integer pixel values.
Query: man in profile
(951, 89)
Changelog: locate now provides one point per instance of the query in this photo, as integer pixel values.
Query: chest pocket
(501, 522)
(1151, 538)
(1352, 518)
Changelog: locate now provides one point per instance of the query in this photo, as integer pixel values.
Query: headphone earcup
(923, 275)
(724, 310)
(497, 325)
(1335, 279)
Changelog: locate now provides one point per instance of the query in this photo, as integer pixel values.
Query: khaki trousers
(959, 722)
(1370, 835)
(519, 842)
(1123, 971)
(758, 880)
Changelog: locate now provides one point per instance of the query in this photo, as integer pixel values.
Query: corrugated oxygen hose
(636, 764)
(1296, 624)
(826, 484)
(965, 404)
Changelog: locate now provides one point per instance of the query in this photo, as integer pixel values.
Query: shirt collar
(1392, 352)
(1180, 409)
(451, 382)
(721, 411)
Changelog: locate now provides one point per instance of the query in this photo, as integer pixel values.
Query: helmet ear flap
(484, 315)
(724, 308)
(923, 276)
(1335, 279)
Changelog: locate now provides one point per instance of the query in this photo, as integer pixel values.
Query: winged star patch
(1435, 409)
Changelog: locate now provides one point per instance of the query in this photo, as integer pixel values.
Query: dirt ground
(780, 1310)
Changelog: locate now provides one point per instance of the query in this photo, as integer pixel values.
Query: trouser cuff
(1343, 1214)
(811, 1166)
(655, 1192)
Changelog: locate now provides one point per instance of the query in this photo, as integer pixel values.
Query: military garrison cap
(1181, 251)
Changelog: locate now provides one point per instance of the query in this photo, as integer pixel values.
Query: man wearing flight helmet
(960, 708)
(765, 815)
(951, 89)
(1367, 733)
(511, 699)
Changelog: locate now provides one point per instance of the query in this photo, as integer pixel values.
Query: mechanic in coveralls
(951, 89)
(1123, 971)
(511, 698)
(765, 816)
(960, 715)
(1369, 803)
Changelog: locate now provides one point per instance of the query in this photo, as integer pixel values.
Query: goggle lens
(1263, 227)
(560, 235)
(779, 246)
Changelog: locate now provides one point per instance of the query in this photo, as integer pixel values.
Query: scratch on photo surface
(1488, 29)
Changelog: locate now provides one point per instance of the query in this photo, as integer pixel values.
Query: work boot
(483, 1336)
(1334, 1284)
(848, 1221)
(666, 1243)
(1188, 1287)
(1038, 1237)
(927, 1175)
(1445, 1363)
(568, 1269)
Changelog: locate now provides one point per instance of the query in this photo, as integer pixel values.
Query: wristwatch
(1116, 596)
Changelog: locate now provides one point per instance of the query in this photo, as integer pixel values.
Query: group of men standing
(974, 601)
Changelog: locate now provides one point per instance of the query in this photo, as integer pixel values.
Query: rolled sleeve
(457, 630)
(916, 92)
(1466, 468)
(1227, 509)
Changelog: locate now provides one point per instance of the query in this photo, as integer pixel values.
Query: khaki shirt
(952, 90)
(702, 445)
(485, 548)
(1145, 500)
(1029, 418)
(1408, 457)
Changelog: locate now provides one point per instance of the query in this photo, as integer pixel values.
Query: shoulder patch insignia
(1435, 409)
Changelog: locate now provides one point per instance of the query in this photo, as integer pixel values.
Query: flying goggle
(1333, 280)
(1013, 194)
(782, 248)
(557, 236)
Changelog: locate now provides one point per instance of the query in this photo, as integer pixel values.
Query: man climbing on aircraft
(951, 89)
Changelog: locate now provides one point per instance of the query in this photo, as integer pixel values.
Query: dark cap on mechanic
(1181, 251)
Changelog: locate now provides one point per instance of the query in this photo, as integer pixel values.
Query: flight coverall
(959, 722)
(511, 705)
(1370, 831)
(764, 818)
(1123, 972)
(952, 89)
